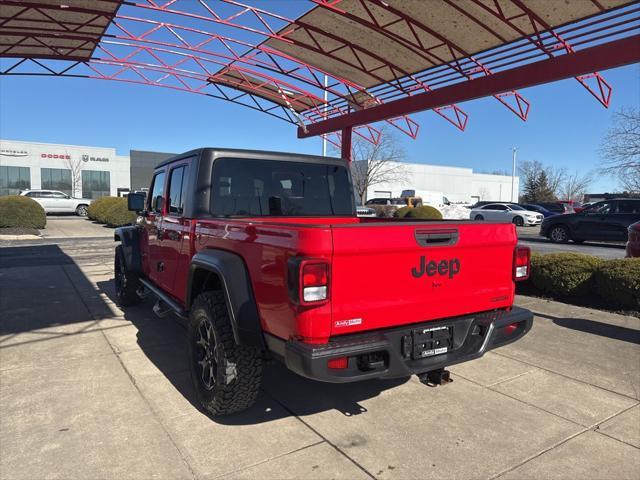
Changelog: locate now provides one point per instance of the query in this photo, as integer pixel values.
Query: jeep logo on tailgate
(443, 267)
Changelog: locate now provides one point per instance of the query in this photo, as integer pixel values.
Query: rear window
(277, 188)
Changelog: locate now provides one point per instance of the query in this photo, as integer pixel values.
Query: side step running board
(163, 299)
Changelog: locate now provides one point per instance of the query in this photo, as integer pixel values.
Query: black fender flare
(129, 237)
(238, 292)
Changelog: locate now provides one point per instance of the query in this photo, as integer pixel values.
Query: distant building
(142, 165)
(458, 184)
(32, 165)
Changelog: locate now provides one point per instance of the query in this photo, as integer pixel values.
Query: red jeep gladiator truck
(264, 257)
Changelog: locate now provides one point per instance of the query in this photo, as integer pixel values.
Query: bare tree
(75, 166)
(376, 164)
(575, 185)
(620, 148)
(530, 172)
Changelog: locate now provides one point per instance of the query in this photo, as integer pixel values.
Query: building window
(14, 179)
(95, 184)
(56, 179)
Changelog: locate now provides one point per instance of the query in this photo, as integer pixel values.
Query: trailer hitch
(435, 377)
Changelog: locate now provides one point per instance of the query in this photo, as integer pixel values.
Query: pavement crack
(329, 442)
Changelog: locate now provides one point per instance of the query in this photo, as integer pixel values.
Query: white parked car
(54, 201)
(506, 212)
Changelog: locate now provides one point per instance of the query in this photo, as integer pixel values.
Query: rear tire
(518, 221)
(226, 376)
(81, 211)
(126, 282)
(559, 234)
(478, 217)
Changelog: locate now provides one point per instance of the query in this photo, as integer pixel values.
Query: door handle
(432, 238)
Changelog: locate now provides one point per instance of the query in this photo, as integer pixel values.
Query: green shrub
(98, 208)
(425, 213)
(618, 282)
(117, 214)
(564, 274)
(19, 211)
(401, 212)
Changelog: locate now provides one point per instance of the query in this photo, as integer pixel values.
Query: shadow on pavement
(596, 328)
(44, 292)
(283, 392)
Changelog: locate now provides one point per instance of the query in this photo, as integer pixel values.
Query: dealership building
(93, 172)
(458, 184)
(86, 172)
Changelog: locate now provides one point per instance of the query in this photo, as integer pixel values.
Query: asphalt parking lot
(90, 391)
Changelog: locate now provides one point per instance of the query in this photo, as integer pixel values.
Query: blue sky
(565, 127)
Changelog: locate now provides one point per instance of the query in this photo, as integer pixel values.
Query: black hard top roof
(241, 154)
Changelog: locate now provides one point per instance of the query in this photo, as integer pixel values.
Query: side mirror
(158, 203)
(135, 202)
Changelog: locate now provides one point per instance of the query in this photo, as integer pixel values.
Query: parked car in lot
(506, 212)
(537, 208)
(365, 211)
(557, 207)
(633, 240)
(263, 255)
(54, 201)
(574, 205)
(606, 220)
(393, 202)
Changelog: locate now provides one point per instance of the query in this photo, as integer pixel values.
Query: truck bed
(383, 272)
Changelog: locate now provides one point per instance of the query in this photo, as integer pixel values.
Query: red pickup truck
(264, 257)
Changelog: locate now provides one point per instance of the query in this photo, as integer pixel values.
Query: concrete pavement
(90, 391)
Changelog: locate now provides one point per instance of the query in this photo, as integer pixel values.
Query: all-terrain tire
(126, 282)
(230, 381)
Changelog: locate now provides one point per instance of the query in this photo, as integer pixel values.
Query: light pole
(513, 172)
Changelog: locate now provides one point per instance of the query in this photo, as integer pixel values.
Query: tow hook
(435, 377)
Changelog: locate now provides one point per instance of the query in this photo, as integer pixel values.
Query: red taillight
(314, 281)
(315, 274)
(339, 363)
(521, 263)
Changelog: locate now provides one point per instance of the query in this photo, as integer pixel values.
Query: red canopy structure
(337, 67)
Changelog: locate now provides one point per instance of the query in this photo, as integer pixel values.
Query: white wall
(43, 155)
(456, 183)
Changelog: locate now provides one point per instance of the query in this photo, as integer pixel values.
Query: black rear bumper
(473, 335)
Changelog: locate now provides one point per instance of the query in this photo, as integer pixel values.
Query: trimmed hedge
(564, 274)
(574, 275)
(112, 211)
(21, 212)
(424, 213)
(618, 282)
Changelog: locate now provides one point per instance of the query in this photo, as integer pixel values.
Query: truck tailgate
(390, 274)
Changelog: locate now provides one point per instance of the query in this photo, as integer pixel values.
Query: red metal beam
(345, 145)
(601, 57)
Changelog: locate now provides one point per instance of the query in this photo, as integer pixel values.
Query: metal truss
(169, 44)
(417, 46)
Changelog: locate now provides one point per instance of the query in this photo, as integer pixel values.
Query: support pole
(346, 144)
(513, 173)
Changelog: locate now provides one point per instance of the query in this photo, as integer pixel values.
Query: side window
(58, 195)
(157, 190)
(177, 180)
(629, 206)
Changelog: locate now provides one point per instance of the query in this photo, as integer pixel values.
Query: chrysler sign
(13, 152)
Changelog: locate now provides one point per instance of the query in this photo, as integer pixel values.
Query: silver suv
(54, 201)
